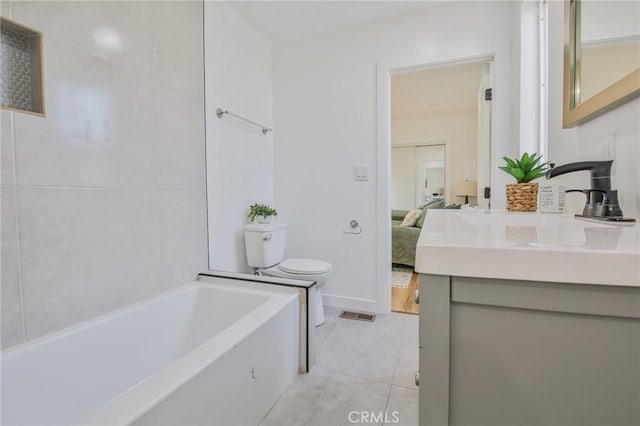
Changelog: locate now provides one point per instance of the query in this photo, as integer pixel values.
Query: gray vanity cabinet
(504, 352)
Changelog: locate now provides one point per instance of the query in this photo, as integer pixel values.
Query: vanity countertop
(528, 246)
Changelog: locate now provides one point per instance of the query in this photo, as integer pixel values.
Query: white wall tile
(86, 252)
(99, 100)
(98, 131)
(179, 51)
(12, 329)
(111, 184)
(179, 138)
(5, 8)
(179, 100)
(6, 149)
(129, 27)
(183, 223)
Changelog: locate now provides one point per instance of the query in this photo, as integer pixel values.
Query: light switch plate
(361, 173)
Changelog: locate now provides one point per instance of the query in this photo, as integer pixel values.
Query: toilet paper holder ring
(354, 228)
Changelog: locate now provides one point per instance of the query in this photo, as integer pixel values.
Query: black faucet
(602, 201)
(600, 174)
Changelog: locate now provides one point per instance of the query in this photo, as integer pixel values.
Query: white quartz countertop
(528, 246)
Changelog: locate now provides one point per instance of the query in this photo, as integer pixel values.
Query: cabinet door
(539, 353)
(434, 322)
(505, 352)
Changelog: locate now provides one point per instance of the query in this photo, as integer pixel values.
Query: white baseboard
(363, 305)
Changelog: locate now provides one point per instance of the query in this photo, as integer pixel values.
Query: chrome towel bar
(222, 112)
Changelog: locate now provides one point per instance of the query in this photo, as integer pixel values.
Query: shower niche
(21, 86)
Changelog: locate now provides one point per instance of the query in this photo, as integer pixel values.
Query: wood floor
(402, 298)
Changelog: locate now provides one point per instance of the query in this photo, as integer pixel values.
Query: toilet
(265, 252)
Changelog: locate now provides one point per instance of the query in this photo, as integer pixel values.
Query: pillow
(411, 218)
(420, 220)
(435, 204)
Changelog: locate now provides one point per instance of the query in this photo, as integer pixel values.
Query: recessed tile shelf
(21, 87)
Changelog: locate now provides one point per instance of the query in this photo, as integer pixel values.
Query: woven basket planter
(522, 197)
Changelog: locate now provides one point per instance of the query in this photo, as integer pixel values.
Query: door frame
(383, 164)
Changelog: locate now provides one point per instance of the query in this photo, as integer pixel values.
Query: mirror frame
(619, 92)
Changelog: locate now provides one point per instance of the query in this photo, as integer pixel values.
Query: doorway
(440, 149)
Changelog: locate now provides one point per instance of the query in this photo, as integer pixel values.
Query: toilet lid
(305, 266)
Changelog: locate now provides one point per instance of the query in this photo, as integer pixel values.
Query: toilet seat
(305, 266)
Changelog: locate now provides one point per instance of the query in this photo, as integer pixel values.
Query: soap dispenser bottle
(551, 198)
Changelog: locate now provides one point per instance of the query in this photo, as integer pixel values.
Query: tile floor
(361, 367)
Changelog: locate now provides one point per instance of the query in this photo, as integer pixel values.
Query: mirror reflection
(609, 44)
(601, 57)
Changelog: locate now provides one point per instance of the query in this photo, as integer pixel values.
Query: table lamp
(466, 188)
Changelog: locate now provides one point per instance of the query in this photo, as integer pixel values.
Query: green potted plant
(261, 212)
(523, 195)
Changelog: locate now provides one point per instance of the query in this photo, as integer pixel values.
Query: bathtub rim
(54, 335)
(90, 322)
(263, 279)
(133, 403)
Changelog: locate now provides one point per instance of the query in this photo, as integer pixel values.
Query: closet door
(430, 173)
(403, 178)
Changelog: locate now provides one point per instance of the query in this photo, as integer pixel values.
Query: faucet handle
(608, 208)
(588, 192)
(589, 209)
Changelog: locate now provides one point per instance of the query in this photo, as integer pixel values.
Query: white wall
(325, 118)
(585, 141)
(239, 157)
(460, 130)
(103, 201)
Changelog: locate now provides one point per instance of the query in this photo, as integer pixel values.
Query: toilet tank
(264, 244)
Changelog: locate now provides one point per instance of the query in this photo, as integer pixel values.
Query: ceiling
(283, 20)
(441, 90)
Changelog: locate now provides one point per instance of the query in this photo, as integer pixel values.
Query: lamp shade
(466, 188)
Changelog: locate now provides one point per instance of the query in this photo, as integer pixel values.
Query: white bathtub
(214, 353)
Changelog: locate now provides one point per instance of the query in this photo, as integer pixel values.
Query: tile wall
(103, 201)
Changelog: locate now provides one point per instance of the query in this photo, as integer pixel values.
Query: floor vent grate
(357, 316)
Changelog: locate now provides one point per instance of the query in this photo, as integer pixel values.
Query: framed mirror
(601, 57)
